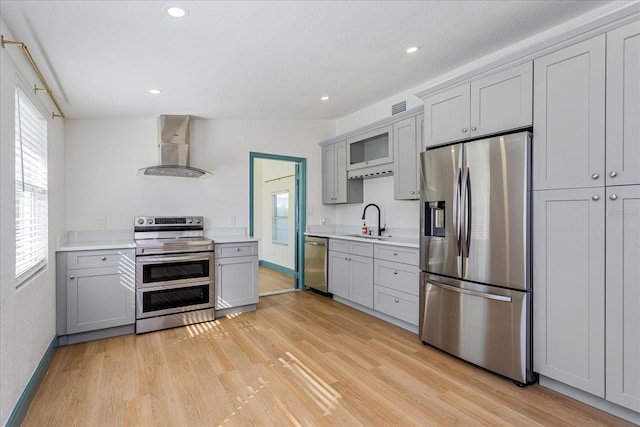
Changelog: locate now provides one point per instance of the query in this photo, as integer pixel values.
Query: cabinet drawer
(397, 254)
(396, 304)
(226, 250)
(93, 259)
(394, 275)
(339, 245)
(362, 249)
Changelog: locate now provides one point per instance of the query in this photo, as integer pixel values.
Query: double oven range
(174, 272)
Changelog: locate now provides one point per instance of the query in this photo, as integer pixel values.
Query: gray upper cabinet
(623, 296)
(335, 186)
(568, 296)
(491, 104)
(569, 117)
(446, 116)
(371, 148)
(623, 106)
(407, 135)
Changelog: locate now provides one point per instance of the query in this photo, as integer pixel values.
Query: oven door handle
(173, 258)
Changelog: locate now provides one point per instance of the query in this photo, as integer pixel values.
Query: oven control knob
(189, 220)
(140, 221)
(150, 221)
(197, 220)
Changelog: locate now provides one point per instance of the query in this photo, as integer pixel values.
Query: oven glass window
(174, 298)
(166, 272)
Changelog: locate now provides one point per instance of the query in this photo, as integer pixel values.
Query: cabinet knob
(613, 197)
(72, 277)
(413, 192)
(103, 258)
(595, 197)
(464, 130)
(396, 300)
(473, 128)
(395, 254)
(595, 176)
(395, 272)
(237, 249)
(613, 174)
(218, 264)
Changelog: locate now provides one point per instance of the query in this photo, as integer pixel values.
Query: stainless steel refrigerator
(475, 244)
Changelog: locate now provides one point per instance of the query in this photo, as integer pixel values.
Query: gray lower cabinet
(569, 287)
(99, 290)
(623, 296)
(351, 271)
(236, 277)
(396, 279)
(384, 278)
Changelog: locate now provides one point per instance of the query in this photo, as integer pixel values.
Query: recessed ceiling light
(155, 91)
(175, 11)
(324, 98)
(412, 49)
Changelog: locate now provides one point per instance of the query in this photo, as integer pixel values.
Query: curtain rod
(278, 179)
(37, 70)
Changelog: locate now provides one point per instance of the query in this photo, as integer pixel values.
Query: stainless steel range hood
(173, 150)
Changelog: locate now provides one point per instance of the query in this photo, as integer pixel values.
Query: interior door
(496, 211)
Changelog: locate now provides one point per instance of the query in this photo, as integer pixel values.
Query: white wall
(272, 176)
(27, 313)
(103, 157)
(396, 214)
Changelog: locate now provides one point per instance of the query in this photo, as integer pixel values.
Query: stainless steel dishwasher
(315, 263)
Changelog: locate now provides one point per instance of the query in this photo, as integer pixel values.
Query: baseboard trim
(22, 406)
(276, 267)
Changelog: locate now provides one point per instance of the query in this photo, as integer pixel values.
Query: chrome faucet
(380, 230)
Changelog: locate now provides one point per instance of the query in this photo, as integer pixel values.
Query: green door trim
(300, 209)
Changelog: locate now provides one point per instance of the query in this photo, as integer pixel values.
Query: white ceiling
(261, 59)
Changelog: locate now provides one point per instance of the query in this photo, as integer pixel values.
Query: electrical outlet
(323, 220)
(101, 222)
(232, 220)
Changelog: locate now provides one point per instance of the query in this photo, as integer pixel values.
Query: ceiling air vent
(399, 107)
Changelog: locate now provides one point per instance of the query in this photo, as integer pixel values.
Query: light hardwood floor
(273, 281)
(301, 359)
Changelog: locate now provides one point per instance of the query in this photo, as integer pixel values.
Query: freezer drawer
(484, 325)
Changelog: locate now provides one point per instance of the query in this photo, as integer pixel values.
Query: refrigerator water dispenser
(434, 219)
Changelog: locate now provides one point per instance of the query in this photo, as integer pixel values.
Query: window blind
(281, 217)
(31, 188)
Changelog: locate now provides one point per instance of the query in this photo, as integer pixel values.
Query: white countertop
(233, 239)
(96, 245)
(406, 241)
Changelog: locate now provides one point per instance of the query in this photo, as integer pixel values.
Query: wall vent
(399, 107)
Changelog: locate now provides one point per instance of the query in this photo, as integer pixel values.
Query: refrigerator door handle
(457, 211)
(467, 210)
(495, 297)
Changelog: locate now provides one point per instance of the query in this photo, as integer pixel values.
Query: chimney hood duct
(173, 150)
